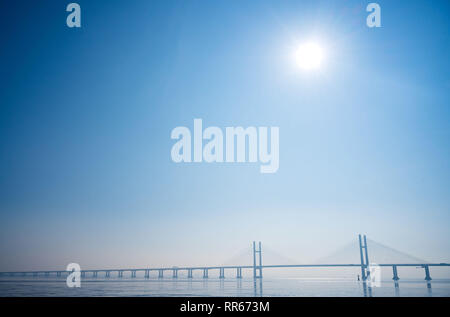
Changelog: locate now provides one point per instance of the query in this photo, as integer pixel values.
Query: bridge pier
(174, 273)
(160, 273)
(427, 273)
(83, 274)
(239, 272)
(120, 274)
(394, 271)
(205, 273)
(221, 272)
(58, 274)
(133, 274)
(189, 273)
(147, 273)
(107, 273)
(95, 274)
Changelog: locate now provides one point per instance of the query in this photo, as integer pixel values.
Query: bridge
(256, 268)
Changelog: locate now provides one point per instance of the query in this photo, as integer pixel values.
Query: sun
(309, 56)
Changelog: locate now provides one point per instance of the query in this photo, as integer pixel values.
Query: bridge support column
(133, 274)
(394, 271)
(363, 263)
(174, 273)
(221, 272)
(257, 268)
(367, 256)
(239, 272)
(107, 274)
(58, 274)
(120, 273)
(205, 273)
(95, 274)
(160, 273)
(427, 273)
(147, 273)
(190, 273)
(260, 260)
(83, 274)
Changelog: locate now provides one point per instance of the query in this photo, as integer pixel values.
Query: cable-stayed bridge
(393, 258)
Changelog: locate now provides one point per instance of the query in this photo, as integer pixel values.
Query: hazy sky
(86, 114)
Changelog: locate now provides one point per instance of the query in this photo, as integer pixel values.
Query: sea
(227, 287)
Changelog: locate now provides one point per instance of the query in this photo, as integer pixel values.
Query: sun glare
(309, 56)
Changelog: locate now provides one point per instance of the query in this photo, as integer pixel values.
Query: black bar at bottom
(222, 306)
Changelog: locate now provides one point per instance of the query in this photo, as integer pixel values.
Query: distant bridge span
(257, 267)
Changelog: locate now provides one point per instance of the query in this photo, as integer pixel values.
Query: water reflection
(367, 289)
(430, 291)
(258, 287)
(397, 289)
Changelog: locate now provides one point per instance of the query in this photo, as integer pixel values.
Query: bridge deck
(188, 268)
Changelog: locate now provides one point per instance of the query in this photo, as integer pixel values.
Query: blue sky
(86, 116)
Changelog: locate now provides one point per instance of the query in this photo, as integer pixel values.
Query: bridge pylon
(257, 269)
(364, 258)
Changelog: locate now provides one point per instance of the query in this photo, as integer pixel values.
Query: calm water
(219, 287)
